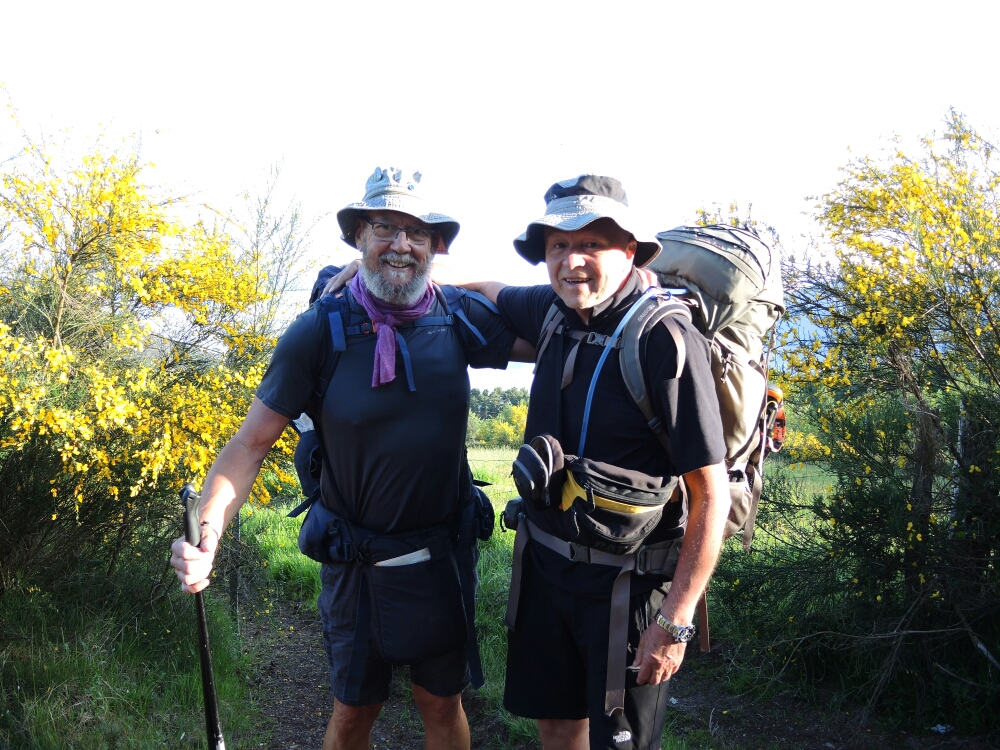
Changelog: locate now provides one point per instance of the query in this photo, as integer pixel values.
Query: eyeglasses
(388, 232)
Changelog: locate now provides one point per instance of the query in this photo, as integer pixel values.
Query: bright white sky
(686, 103)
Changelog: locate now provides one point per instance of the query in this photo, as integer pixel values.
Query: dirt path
(293, 690)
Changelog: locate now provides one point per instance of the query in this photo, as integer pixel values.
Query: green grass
(493, 465)
(84, 669)
(286, 571)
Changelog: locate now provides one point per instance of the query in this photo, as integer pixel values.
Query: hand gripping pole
(192, 532)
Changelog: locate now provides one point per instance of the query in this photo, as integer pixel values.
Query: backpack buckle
(579, 553)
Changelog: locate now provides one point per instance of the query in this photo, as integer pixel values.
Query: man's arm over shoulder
(500, 342)
(519, 307)
(523, 308)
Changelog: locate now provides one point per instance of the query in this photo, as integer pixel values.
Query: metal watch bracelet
(680, 633)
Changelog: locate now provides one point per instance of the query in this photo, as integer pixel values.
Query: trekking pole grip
(192, 511)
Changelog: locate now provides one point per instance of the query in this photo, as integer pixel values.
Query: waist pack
(414, 591)
(611, 509)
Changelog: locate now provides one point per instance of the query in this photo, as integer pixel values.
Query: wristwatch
(680, 633)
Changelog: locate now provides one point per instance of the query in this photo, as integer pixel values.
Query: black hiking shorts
(557, 661)
(359, 676)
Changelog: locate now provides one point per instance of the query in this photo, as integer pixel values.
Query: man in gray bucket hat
(382, 370)
(595, 628)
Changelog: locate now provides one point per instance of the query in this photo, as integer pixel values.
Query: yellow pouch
(572, 490)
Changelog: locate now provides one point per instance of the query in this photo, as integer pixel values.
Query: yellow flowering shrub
(892, 360)
(129, 352)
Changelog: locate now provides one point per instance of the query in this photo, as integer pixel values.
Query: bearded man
(393, 421)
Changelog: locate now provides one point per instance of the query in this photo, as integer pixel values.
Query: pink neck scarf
(386, 317)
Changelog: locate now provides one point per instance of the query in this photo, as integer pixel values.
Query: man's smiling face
(395, 270)
(588, 266)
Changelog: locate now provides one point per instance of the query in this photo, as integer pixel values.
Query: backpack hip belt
(659, 559)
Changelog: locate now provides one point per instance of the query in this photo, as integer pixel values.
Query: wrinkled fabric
(386, 317)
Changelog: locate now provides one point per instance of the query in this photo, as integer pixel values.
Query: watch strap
(680, 633)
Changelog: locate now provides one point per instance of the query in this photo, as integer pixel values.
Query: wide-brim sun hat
(395, 189)
(573, 204)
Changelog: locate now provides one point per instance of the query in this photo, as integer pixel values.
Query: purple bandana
(386, 317)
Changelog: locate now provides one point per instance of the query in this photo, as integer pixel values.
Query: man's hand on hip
(659, 656)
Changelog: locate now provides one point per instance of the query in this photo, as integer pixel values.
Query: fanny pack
(416, 597)
(611, 509)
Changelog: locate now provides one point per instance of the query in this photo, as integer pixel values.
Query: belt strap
(572, 550)
(514, 594)
(467, 577)
(614, 686)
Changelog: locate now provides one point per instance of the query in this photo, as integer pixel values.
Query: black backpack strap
(658, 309)
(553, 319)
(450, 297)
(335, 309)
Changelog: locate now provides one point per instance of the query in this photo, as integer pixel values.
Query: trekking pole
(192, 532)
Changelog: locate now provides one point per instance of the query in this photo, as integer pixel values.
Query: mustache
(399, 258)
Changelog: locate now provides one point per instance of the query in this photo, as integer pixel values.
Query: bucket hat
(395, 189)
(573, 204)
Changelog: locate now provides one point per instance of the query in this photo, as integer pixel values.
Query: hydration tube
(648, 294)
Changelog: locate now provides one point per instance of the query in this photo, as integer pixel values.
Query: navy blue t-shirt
(396, 455)
(617, 433)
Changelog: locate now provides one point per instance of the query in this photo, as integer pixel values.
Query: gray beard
(403, 296)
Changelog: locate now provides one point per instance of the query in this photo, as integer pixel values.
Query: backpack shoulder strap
(451, 296)
(553, 318)
(657, 309)
(335, 309)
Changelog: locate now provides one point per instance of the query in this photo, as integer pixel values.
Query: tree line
(497, 418)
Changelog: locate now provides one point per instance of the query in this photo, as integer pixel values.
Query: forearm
(489, 289)
(461, 276)
(228, 483)
(709, 493)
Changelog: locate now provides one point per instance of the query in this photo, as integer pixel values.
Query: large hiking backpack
(728, 282)
(735, 280)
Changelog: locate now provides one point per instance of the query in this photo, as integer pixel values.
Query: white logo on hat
(622, 736)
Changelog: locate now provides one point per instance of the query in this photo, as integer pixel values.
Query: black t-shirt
(617, 432)
(396, 455)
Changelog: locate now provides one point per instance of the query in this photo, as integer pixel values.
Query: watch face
(683, 635)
